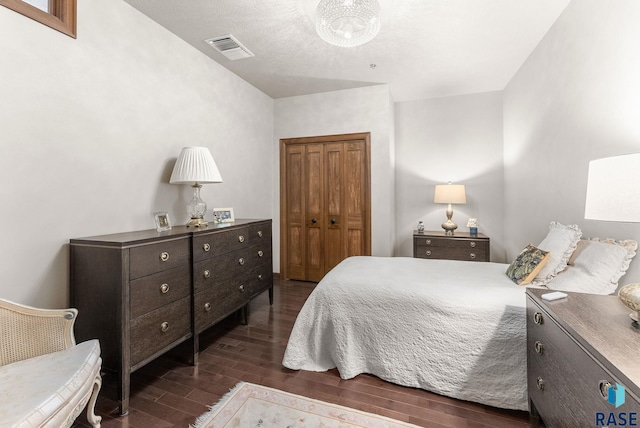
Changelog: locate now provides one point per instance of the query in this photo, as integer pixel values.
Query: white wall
(91, 129)
(457, 139)
(342, 112)
(575, 99)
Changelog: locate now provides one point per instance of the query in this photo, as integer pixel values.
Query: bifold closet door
(325, 206)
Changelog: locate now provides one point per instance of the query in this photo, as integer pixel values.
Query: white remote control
(554, 295)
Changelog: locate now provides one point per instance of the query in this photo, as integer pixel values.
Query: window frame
(62, 17)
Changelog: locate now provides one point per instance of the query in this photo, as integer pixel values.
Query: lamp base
(630, 296)
(449, 227)
(197, 222)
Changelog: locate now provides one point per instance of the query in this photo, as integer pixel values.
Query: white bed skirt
(450, 327)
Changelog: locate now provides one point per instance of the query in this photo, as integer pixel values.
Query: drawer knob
(164, 288)
(207, 306)
(241, 288)
(604, 386)
(540, 383)
(260, 277)
(428, 253)
(260, 253)
(472, 255)
(164, 256)
(241, 261)
(538, 347)
(206, 273)
(164, 326)
(428, 241)
(259, 234)
(240, 238)
(206, 246)
(537, 318)
(472, 244)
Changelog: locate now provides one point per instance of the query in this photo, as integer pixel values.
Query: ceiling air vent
(229, 47)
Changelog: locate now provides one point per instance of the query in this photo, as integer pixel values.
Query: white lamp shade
(195, 165)
(450, 194)
(613, 189)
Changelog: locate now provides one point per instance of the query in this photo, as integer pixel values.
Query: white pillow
(561, 242)
(596, 266)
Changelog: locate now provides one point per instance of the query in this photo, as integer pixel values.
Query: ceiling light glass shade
(195, 165)
(347, 23)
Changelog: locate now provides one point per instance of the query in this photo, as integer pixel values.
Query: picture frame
(223, 215)
(163, 223)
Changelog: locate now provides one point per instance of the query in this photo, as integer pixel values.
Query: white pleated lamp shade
(195, 165)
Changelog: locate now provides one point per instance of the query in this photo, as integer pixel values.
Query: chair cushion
(33, 391)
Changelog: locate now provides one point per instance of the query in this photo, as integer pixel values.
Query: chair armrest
(26, 332)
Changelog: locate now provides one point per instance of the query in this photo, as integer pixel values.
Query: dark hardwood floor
(170, 393)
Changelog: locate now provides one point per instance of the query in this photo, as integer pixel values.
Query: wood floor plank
(168, 392)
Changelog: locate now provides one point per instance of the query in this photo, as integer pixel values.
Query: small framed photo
(162, 221)
(223, 215)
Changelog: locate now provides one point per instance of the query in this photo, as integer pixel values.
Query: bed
(451, 327)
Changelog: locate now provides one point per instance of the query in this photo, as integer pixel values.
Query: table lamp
(449, 194)
(613, 194)
(195, 165)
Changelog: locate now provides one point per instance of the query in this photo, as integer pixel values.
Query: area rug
(249, 405)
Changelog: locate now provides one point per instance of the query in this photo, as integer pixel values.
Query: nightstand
(461, 246)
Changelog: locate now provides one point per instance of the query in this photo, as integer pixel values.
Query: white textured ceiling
(425, 48)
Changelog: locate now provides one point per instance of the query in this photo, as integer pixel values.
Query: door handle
(314, 220)
(333, 221)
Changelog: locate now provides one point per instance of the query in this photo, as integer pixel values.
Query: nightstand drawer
(153, 291)
(148, 259)
(158, 329)
(451, 253)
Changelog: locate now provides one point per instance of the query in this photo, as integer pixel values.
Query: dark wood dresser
(143, 293)
(461, 246)
(577, 348)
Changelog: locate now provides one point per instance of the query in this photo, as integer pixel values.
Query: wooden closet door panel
(335, 248)
(355, 199)
(314, 175)
(295, 212)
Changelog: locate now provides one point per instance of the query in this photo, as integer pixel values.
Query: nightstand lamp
(613, 194)
(195, 165)
(449, 194)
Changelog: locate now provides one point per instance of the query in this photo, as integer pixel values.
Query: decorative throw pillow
(527, 265)
(561, 242)
(596, 266)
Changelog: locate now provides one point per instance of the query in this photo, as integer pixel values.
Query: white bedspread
(450, 327)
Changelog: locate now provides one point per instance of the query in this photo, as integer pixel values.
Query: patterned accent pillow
(561, 242)
(527, 265)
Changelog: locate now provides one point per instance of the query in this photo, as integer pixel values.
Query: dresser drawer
(260, 253)
(260, 234)
(261, 279)
(159, 328)
(218, 301)
(222, 269)
(452, 253)
(152, 258)
(153, 291)
(560, 371)
(213, 244)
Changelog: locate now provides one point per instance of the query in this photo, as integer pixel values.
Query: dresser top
(442, 234)
(139, 237)
(601, 324)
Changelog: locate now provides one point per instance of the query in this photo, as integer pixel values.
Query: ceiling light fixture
(348, 23)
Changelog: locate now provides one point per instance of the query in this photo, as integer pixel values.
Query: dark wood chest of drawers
(577, 348)
(143, 293)
(461, 246)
